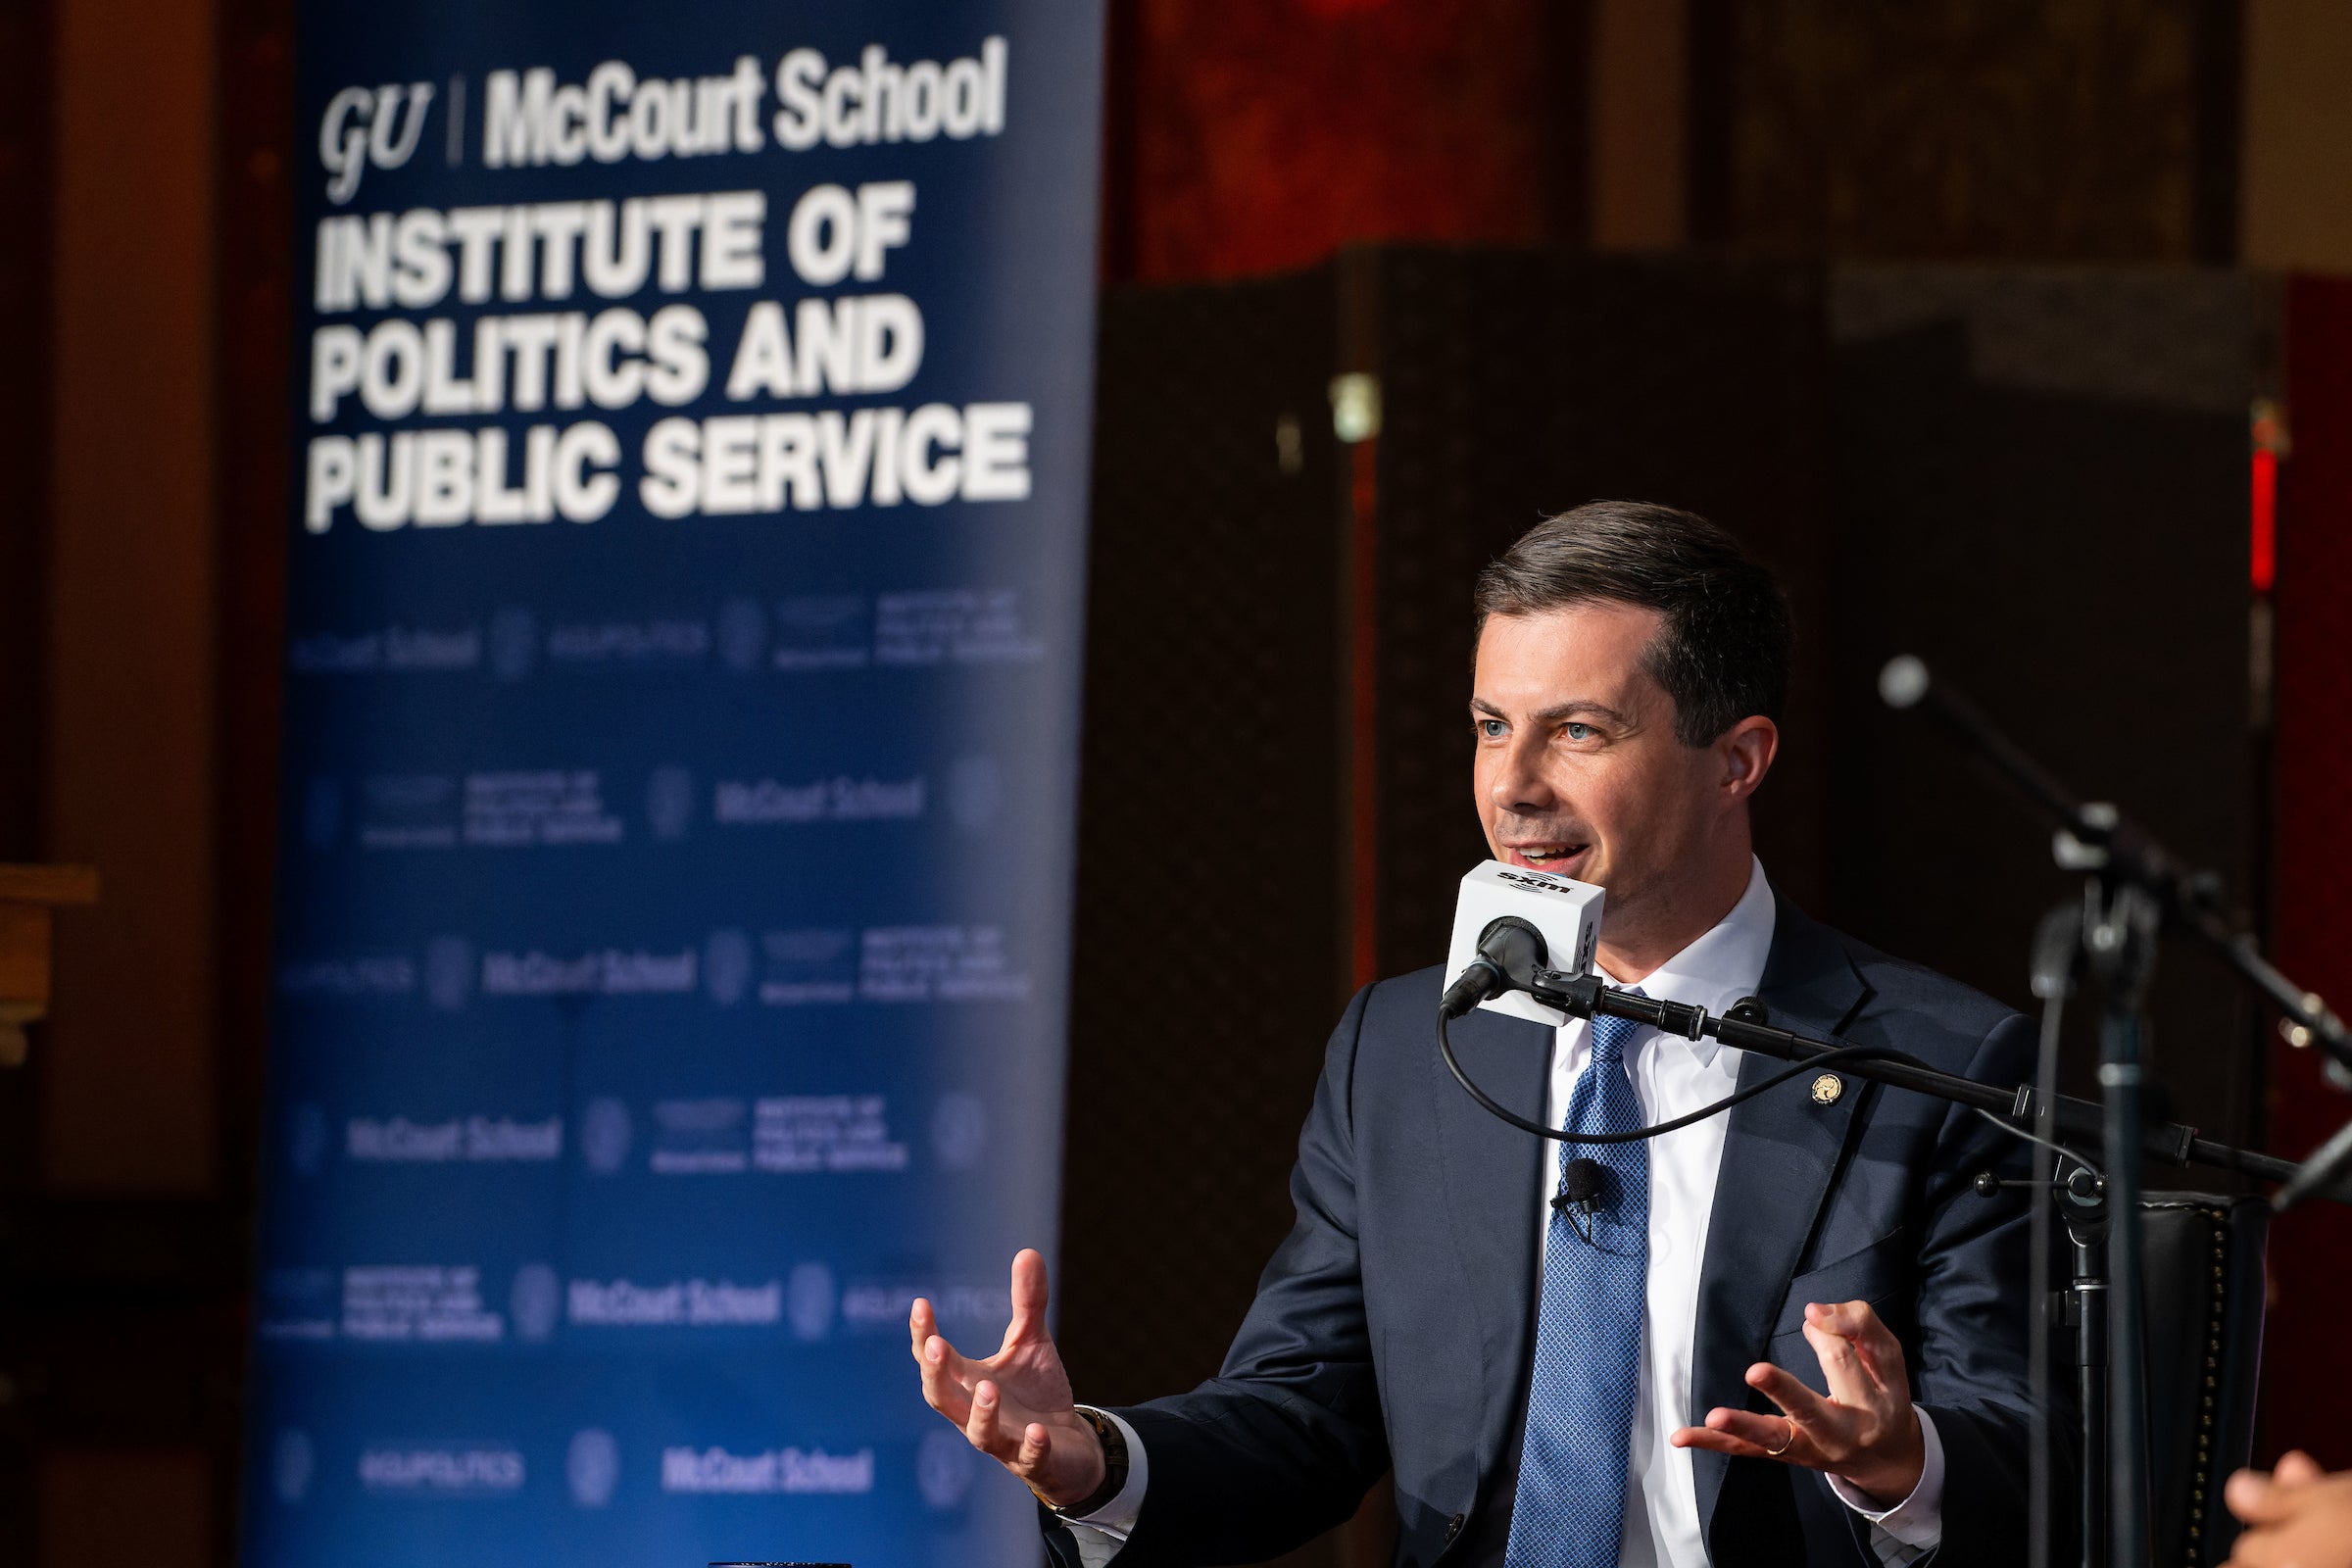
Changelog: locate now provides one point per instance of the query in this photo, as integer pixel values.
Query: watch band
(1114, 1466)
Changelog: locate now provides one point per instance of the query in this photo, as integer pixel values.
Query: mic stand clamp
(2087, 1308)
(2082, 1308)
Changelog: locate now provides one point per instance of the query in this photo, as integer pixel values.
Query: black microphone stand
(2082, 1196)
(2110, 1368)
(2135, 887)
(2118, 934)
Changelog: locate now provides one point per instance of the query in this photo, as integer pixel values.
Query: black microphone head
(1515, 946)
(1509, 953)
(1583, 1180)
(1474, 985)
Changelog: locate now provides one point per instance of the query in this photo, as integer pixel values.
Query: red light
(2265, 520)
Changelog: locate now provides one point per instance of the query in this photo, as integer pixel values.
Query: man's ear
(1745, 751)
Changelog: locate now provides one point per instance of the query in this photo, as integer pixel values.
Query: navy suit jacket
(1394, 1326)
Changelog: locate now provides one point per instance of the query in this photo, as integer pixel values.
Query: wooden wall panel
(108, 1508)
(2041, 130)
(128, 1064)
(2298, 126)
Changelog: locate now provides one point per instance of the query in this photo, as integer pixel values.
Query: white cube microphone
(1567, 914)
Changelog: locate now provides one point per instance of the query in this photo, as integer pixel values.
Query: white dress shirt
(1672, 1077)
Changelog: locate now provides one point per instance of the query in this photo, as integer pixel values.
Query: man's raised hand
(1866, 1433)
(1015, 1407)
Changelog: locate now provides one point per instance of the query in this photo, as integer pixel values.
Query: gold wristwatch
(1114, 1466)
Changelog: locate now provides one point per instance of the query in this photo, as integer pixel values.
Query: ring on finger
(1788, 1442)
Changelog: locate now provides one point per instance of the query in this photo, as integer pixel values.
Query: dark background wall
(2041, 488)
(1971, 128)
(143, 151)
(2311, 864)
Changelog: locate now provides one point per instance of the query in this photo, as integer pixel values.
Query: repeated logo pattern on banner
(685, 574)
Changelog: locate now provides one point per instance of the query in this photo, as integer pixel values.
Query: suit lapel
(1779, 1153)
(1490, 1170)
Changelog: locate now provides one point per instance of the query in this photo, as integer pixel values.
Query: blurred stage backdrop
(685, 572)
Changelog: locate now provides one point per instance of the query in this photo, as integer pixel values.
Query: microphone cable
(1557, 1135)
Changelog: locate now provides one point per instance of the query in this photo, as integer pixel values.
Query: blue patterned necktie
(1570, 1507)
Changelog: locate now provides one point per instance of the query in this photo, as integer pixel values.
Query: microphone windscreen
(1561, 916)
(1581, 1182)
(1515, 947)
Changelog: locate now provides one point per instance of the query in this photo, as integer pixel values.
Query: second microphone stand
(2119, 939)
(2111, 1368)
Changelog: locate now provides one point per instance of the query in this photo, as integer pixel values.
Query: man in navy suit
(1792, 1334)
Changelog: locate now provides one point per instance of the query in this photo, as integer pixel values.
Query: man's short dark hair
(1722, 653)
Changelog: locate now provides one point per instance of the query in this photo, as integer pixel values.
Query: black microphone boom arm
(1746, 1027)
(2118, 847)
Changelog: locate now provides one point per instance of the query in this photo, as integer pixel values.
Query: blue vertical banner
(685, 578)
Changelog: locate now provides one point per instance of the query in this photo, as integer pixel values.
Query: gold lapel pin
(1827, 1088)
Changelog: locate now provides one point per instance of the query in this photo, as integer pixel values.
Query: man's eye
(1491, 728)
(1579, 732)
